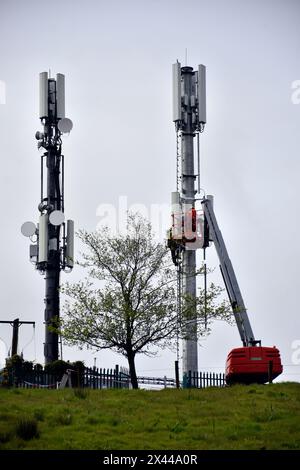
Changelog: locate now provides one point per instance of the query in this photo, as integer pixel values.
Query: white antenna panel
(43, 95)
(60, 95)
(202, 94)
(70, 244)
(43, 238)
(177, 92)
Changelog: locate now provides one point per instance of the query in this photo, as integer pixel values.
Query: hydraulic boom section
(252, 363)
(230, 280)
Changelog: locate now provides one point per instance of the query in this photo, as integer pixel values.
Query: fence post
(117, 376)
(189, 379)
(194, 379)
(177, 374)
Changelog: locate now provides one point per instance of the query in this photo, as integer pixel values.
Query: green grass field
(239, 417)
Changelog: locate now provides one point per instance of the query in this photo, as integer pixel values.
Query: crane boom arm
(230, 280)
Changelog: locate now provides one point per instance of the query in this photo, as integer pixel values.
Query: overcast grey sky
(117, 60)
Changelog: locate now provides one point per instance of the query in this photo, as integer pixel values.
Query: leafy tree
(127, 303)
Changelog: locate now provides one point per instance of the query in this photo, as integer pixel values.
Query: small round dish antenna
(56, 218)
(28, 229)
(65, 125)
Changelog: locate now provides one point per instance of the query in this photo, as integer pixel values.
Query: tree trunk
(131, 363)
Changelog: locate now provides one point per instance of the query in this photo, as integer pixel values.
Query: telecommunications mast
(189, 116)
(52, 247)
(190, 230)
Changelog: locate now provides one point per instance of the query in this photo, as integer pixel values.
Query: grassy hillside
(240, 417)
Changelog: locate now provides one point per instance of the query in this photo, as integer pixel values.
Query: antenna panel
(202, 94)
(177, 92)
(43, 95)
(43, 238)
(60, 95)
(70, 244)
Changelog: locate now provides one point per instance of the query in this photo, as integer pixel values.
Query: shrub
(4, 378)
(27, 428)
(14, 361)
(57, 367)
(27, 366)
